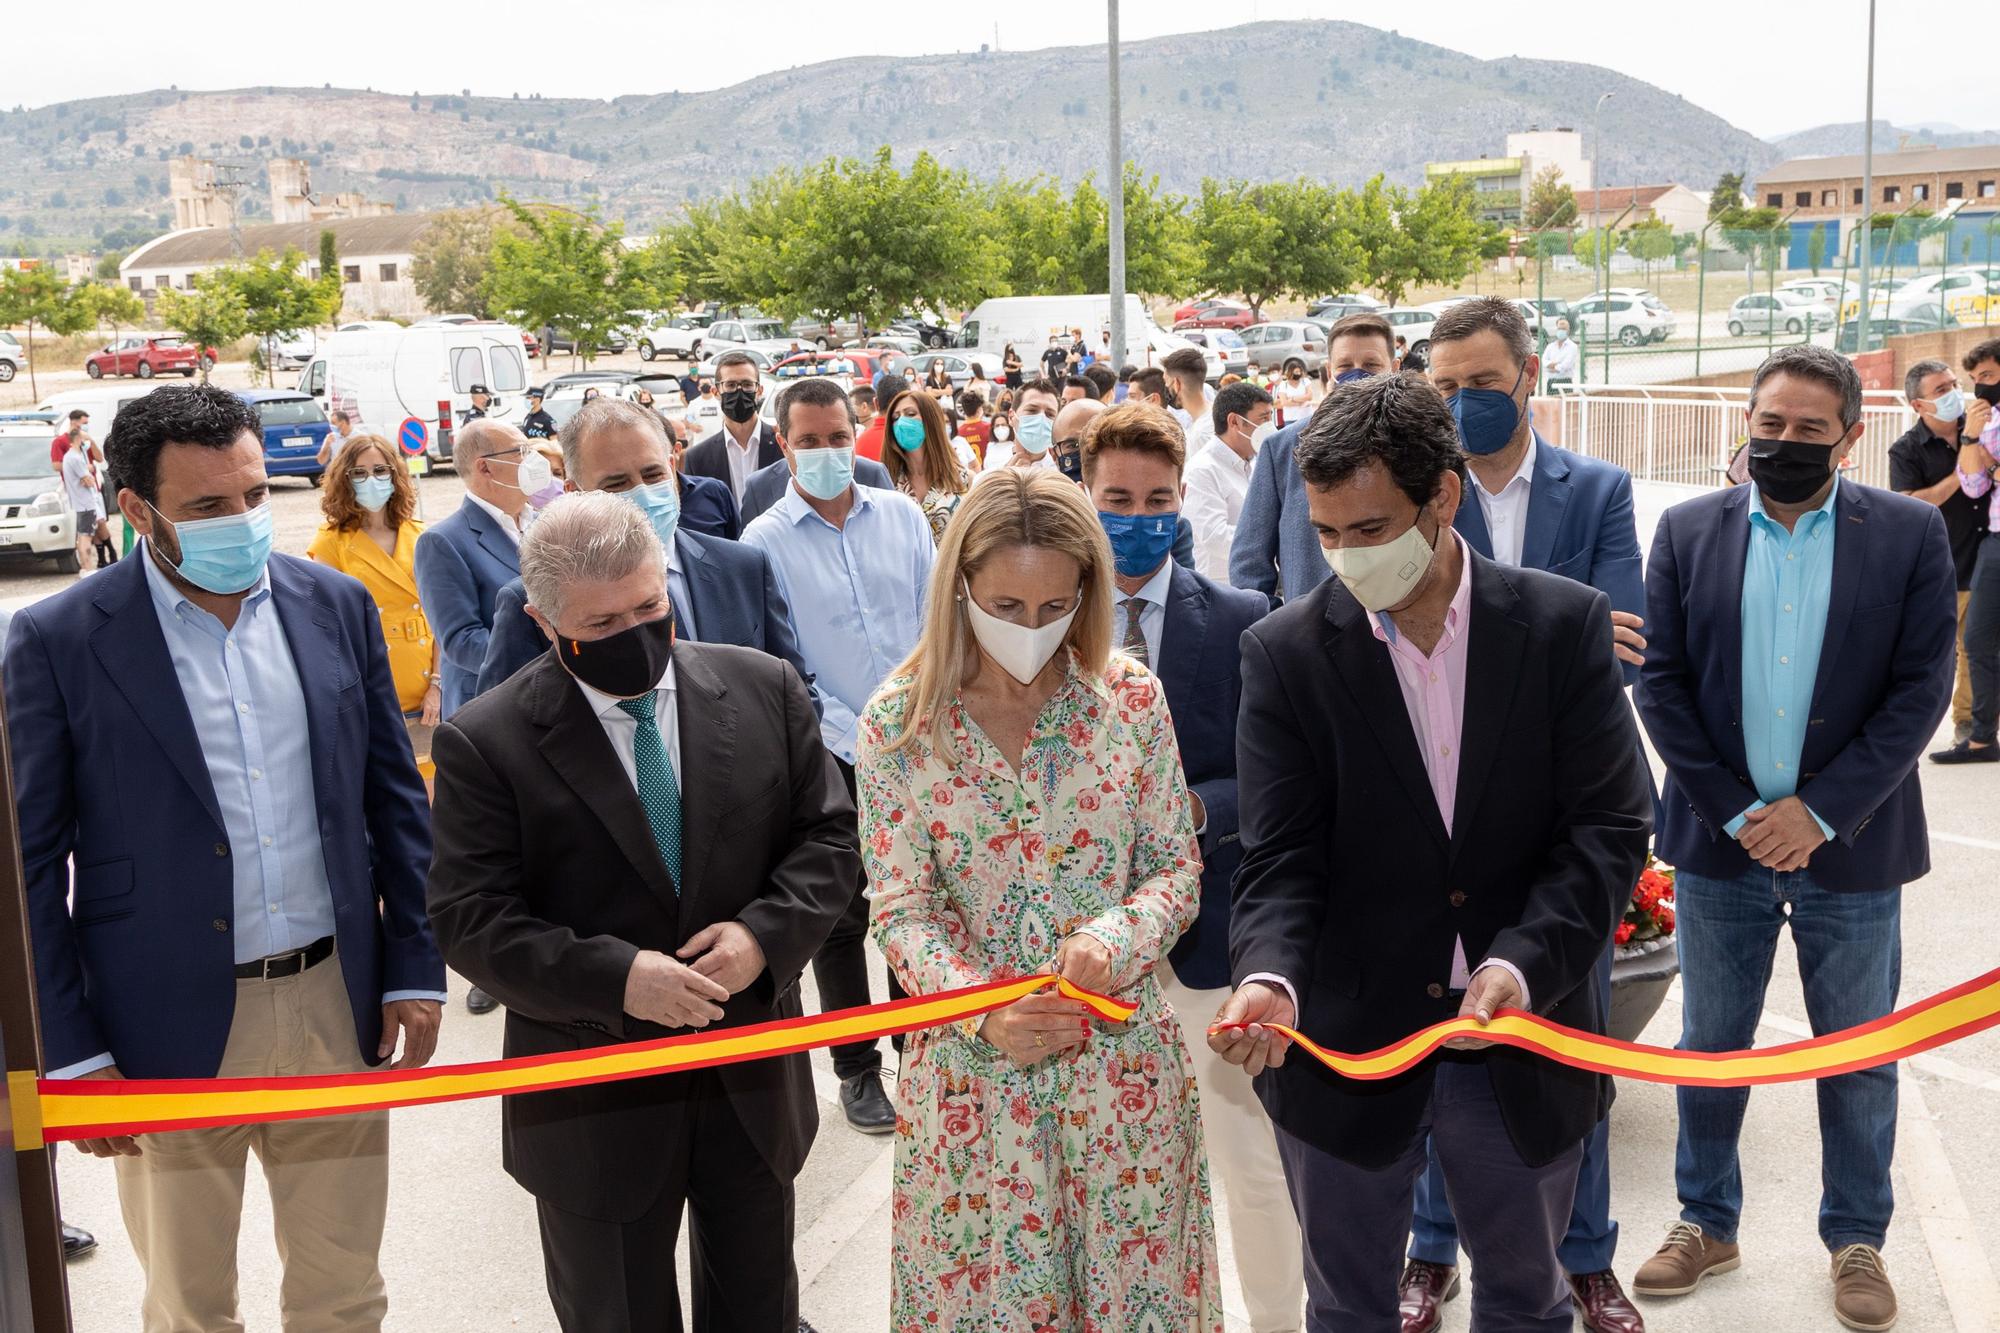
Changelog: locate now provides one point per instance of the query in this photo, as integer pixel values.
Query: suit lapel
(1732, 550)
(574, 743)
(768, 451)
(707, 717)
(1362, 663)
(1850, 557)
(1492, 675)
(1182, 635)
(493, 541)
(1470, 522)
(132, 649)
(704, 586)
(1548, 497)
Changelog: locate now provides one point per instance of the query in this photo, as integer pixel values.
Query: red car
(146, 355)
(1214, 315)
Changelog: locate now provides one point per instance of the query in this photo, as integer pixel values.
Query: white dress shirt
(623, 729)
(742, 457)
(1000, 454)
(508, 523)
(1217, 480)
(1507, 510)
(1560, 359)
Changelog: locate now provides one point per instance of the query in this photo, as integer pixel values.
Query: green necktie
(659, 791)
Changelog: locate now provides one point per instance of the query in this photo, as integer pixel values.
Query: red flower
(938, 829)
(1624, 934)
(1081, 837)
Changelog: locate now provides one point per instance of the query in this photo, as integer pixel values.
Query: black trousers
(1982, 640)
(841, 969)
(610, 1277)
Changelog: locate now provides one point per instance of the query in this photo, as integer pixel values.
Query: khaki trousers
(329, 1180)
(1961, 694)
(1243, 1150)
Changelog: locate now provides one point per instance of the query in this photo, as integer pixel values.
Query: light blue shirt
(1152, 597)
(856, 593)
(1787, 583)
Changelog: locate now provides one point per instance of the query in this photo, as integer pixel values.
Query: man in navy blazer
(707, 507)
(210, 736)
(722, 591)
(464, 559)
(1186, 628)
(1801, 659)
(744, 442)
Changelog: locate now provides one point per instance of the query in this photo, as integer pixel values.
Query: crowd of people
(1296, 705)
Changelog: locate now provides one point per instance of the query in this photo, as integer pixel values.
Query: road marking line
(1957, 840)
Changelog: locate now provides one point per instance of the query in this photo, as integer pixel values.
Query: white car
(1832, 292)
(35, 517)
(12, 356)
(762, 335)
(1965, 293)
(1413, 326)
(1226, 344)
(1784, 310)
(678, 336)
(1629, 317)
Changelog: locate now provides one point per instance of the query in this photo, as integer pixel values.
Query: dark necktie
(659, 790)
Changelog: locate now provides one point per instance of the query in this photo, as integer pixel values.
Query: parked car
(561, 343)
(824, 334)
(925, 328)
(35, 517)
(1218, 315)
(1829, 292)
(896, 342)
(291, 350)
(1963, 292)
(146, 355)
(1631, 319)
(1194, 309)
(764, 335)
(1282, 344)
(855, 364)
(766, 360)
(1225, 343)
(1770, 312)
(12, 356)
(1551, 309)
(958, 365)
(677, 336)
(1413, 326)
(1926, 319)
(1330, 308)
(565, 395)
(293, 425)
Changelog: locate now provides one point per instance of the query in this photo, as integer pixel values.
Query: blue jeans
(1850, 948)
(1592, 1238)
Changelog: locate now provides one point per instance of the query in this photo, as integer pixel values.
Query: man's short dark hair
(971, 403)
(1103, 379)
(1083, 382)
(815, 392)
(1986, 351)
(1465, 318)
(203, 414)
(78, 414)
(734, 358)
(1235, 400)
(1399, 421)
(1125, 374)
(1150, 380)
(888, 387)
(1361, 324)
(1823, 365)
(1040, 384)
(1914, 377)
(1185, 363)
(862, 396)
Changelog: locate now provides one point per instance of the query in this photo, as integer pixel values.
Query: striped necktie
(659, 790)
(1135, 635)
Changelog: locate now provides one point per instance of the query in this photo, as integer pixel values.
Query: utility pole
(1116, 189)
(1868, 188)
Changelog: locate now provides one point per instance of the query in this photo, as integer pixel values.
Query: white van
(382, 375)
(1027, 322)
(102, 400)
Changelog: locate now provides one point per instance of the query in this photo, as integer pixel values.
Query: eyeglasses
(365, 473)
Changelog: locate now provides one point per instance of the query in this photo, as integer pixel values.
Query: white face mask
(533, 474)
(1003, 433)
(1260, 434)
(1020, 650)
(1380, 577)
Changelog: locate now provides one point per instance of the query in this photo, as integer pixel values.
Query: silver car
(1779, 312)
(1276, 346)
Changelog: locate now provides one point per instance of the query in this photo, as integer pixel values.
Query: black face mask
(624, 665)
(1987, 393)
(1789, 471)
(1071, 466)
(739, 405)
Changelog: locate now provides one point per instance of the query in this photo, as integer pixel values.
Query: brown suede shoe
(1862, 1296)
(1683, 1260)
(1601, 1304)
(1426, 1287)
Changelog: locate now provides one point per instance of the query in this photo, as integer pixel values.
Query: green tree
(39, 296)
(1407, 239)
(1727, 197)
(110, 303)
(278, 298)
(1816, 249)
(1266, 241)
(565, 270)
(1041, 234)
(212, 315)
(1649, 241)
(449, 263)
(1551, 202)
(1594, 246)
(329, 267)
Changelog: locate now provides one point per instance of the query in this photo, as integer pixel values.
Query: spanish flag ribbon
(53, 1110)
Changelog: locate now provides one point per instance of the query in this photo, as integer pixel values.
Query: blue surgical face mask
(1950, 406)
(223, 555)
(372, 493)
(1349, 376)
(1037, 432)
(909, 434)
(1139, 542)
(824, 474)
(1487, 418)
(660, 501)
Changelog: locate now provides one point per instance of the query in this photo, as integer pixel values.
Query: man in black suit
(1443, 813)
(603, 900)
(744, 442)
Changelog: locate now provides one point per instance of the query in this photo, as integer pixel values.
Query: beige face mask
(1380, 577)
(1021, 650)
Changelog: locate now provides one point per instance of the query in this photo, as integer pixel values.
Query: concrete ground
(462, 1254)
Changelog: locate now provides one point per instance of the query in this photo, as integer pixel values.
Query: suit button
(1457, 898)
(1435, 991)
(222, 849)
(220, 925)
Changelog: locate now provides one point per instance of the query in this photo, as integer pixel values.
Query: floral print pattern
(1072, 1194)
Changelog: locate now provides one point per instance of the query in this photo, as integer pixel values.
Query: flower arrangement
(1649, 917)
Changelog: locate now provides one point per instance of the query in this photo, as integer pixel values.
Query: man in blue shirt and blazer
(209, 734)
(1800, 662)
(722, 591)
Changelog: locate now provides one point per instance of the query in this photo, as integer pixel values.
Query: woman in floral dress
(1022, 810)
(921, 460)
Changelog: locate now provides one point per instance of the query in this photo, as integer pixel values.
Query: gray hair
(1466, 318)
(584, 537)
(1914, 377)
(487, 435)
(1808, 361)
(602, 414)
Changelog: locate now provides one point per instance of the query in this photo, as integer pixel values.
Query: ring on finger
(1039, 1042)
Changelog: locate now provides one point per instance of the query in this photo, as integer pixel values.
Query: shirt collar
(168, 599)
(797, 510)
(1757, 510)
(500, 516)
(1454, 615)
(1154, 590)
(1524, 475)
(604, 705)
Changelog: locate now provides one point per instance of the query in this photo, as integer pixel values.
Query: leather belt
(288, 964)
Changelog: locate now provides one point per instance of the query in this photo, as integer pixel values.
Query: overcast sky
(1769, 68)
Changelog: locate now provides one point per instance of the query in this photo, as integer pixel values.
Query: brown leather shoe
(1683, 1260)
(1426, 1287)
(1601, 1302)
(1862, 1296)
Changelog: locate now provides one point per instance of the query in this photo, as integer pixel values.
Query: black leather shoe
(866, 1105)
(804, 1327)
(479, 1002)
(76, 1242)
(1967, 753)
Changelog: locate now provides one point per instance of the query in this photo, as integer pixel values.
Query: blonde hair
(1013, 507)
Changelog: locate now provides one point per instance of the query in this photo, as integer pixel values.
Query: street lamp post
(1116, 185)
(1597, 245)
(1868, 187)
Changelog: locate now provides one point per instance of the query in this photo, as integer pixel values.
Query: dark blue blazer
(1198, 670)
(108, 771)
(735, 600)
(766, 486)
(1884, 680)
(462, 562)
(1274, 534)
(708, 507)
(1579, 525)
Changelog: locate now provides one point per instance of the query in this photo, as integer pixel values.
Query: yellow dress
(392, 582)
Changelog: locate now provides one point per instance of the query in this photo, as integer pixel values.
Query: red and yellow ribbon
(53, 1110)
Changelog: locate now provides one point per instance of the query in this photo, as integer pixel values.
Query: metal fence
(1686, 435)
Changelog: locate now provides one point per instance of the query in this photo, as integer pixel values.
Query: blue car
(294, 425)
